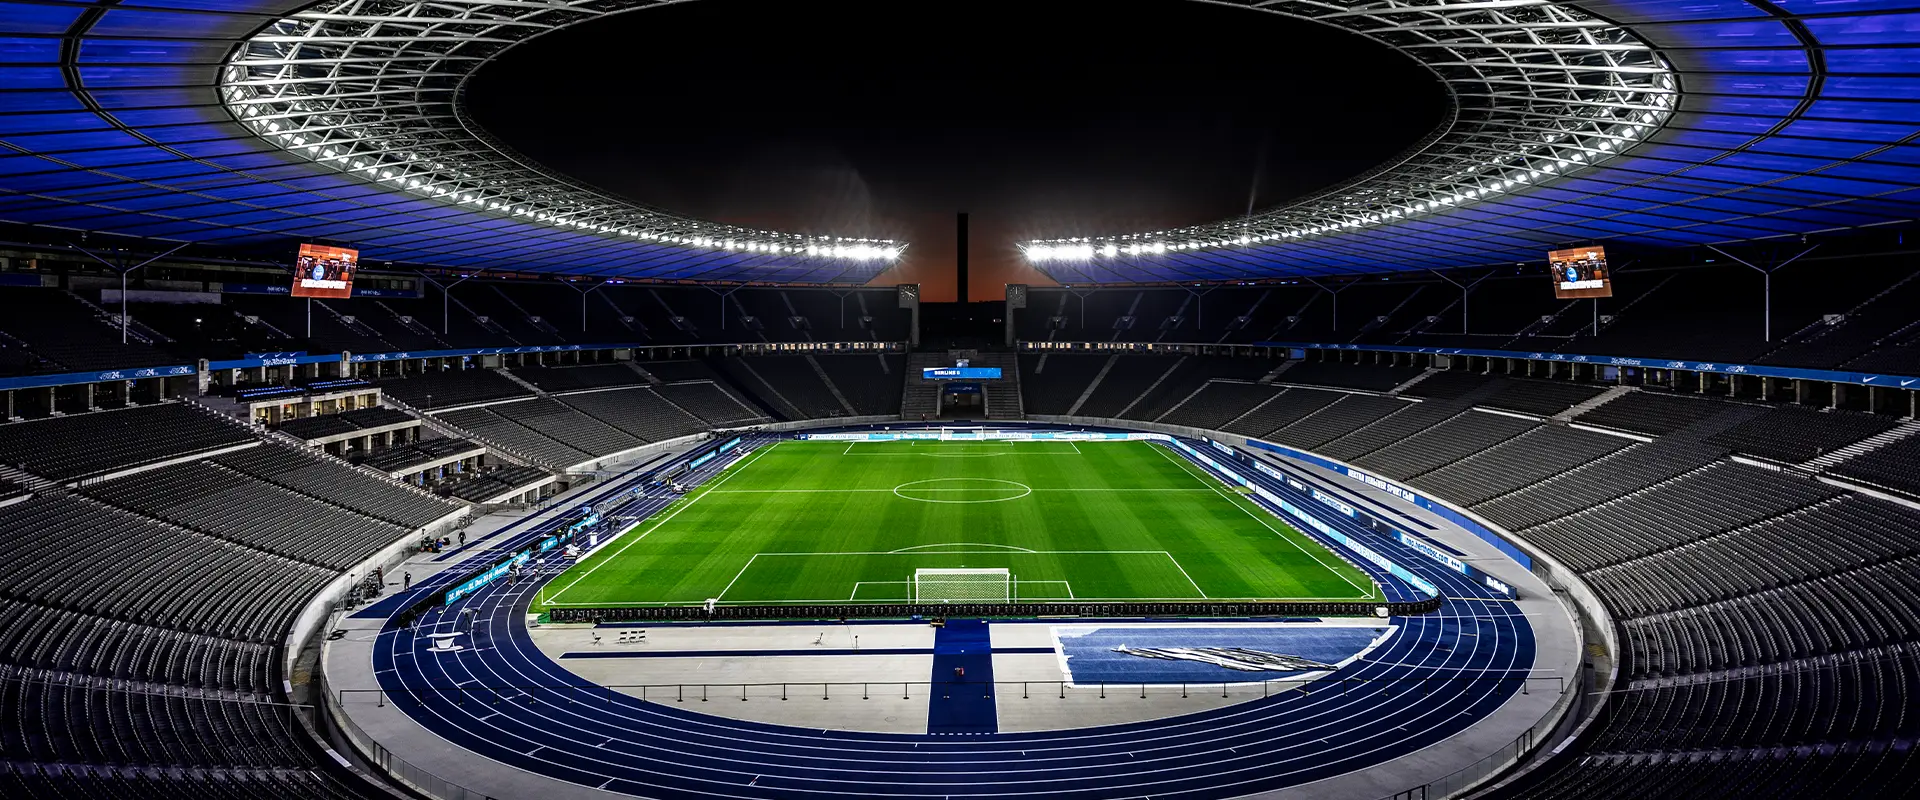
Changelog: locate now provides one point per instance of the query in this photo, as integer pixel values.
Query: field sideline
(836, 522)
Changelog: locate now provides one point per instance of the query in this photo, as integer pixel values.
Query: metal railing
(1565, 713)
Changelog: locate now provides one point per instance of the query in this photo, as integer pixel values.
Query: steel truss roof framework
(1655, 122)
(237, 121)
(1649, 121)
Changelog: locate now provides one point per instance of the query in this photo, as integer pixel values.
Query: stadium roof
(248, 121)
(1659, 122)
(1653, 122)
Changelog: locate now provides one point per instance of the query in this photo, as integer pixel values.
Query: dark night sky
(1039, 118)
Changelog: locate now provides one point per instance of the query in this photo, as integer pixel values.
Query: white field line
(1183, 573)
(736, 577)
(1213, 483)
(732, 470)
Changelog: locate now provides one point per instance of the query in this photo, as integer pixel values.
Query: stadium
(349, 451)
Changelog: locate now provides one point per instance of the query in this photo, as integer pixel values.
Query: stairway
(1602, 399)
(1003, 396)
(1827, 461)
(835, 390)
(1104, 369)
(1424, 374)
(1269, 378)
(921, 397)
(508, 374)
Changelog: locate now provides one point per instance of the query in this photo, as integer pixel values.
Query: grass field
(811, 522)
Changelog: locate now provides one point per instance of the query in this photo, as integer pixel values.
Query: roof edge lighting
(354, 88)
(1541, 89)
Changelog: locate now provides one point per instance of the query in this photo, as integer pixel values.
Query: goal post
(958, 585)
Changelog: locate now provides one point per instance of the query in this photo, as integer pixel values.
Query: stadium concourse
(1602, 399)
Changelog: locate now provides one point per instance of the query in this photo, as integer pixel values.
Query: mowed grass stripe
(1085, 516)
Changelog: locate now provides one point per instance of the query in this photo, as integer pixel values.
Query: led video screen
(323, 271)
(959, 373)
(1580, 272)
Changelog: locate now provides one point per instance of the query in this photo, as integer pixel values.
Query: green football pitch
(837, 522)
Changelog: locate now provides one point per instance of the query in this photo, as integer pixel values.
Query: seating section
(1794, 435)
(229, 504)
(671, 371)
(1337, 419)
(1130, 376)
(872, 382)
(710, 402)
(557, 420)
(1545, 398)
(1584, 487)
(1443, 444)
(320, 477)
(640, 412)
(1654, 413)
(791, 378)
(516, 439)
(452, 388)
(1449, 384)
(1390, 429)
(50, 331)
(348, 422)
(1544, 452)
(85, 445)
(1187, 376)
(237, 592)
(575, 378)
(1719, 497)
(486, 486)
(1895, 467)
(1217, 403)
(397, 459)
(1369, 377)
(1289, 406)
(1061, 379)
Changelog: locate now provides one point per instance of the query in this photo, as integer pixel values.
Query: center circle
(962, 490)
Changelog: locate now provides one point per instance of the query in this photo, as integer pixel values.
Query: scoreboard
(1580, 272)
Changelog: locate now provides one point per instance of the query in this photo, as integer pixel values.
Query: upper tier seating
(85, 445)
(60, 334)
(452, 388)
(575, 378)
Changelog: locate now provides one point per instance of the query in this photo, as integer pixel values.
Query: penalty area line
(610, 557)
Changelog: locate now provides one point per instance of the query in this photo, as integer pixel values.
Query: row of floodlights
(1087, 249)
(373, 169)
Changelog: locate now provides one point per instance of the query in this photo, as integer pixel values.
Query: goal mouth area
(962, 584)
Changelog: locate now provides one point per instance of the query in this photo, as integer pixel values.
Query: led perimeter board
(1580, 272)
(323, 271)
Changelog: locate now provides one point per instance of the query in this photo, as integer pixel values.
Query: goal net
(962, 586)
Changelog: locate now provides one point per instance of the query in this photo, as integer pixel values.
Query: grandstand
(1360, 495)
